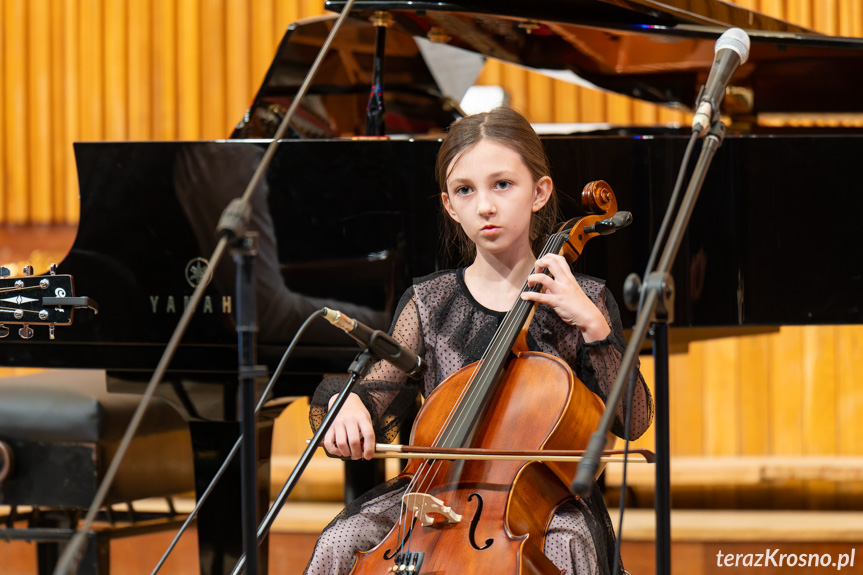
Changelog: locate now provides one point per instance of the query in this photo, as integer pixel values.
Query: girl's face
(492, 194)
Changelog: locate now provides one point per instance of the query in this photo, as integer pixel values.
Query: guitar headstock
(38, 300)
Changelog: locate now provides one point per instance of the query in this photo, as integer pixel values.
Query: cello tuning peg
(4, 331)
(53, 269)
(26, 332)
(28, 271)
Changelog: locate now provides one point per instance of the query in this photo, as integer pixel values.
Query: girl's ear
(447, 205)
(542, 193)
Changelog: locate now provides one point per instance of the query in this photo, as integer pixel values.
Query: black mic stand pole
(656, 306)
(244, 251)
(231, 227)
(375, 112)
(357, 370)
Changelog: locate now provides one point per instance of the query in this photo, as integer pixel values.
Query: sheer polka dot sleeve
(386, 391)
(600, 361)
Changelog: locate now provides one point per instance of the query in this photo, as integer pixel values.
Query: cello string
(496, 352)
(474, 392)
(437, 465)
(407, 516)
(403, 512)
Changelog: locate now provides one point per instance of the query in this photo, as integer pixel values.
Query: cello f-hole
(473, 523)
(390, 554)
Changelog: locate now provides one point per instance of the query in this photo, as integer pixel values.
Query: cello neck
(471, 409)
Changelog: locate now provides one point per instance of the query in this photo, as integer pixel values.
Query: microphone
(732, 50)
(379, 342)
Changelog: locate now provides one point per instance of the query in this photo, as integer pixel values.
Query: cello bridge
(421, 504)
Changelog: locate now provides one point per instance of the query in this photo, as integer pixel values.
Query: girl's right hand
(352, 434)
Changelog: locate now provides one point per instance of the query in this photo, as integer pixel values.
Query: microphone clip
(716, 132)
(384, 347)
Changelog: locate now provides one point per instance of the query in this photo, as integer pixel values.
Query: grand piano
(349, 220)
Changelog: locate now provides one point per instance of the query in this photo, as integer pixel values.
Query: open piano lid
(419, 96)
(655, 51)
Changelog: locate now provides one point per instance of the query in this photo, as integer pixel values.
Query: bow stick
(386, 450)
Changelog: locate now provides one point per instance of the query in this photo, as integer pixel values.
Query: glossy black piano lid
(654, 51)
(774, 238)
(347, 220)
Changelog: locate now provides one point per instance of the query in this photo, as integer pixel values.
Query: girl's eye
(462, 190)
(503, 185)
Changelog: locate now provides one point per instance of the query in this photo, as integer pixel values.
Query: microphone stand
(655, 308)
(357, 370)
(232, 226)
(244, 252)
(237, 445)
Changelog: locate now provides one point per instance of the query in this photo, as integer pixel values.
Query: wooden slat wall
(77, 70)
(796, 391)
(73, 70)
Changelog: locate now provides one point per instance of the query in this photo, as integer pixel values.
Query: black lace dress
(439, 319)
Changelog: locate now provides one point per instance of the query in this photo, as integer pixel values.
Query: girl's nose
(485, 203)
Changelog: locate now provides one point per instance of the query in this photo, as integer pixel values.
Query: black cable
(276, 374)
(627, 429)
(660, 239)
(672, 202)
(231, 227)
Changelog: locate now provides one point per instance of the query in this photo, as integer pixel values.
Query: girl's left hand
(563, 294)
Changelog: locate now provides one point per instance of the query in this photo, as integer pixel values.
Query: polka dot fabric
(439, 319)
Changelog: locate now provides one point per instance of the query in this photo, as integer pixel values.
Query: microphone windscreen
(734, 39)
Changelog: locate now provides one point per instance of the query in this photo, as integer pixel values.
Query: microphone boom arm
(656, 307)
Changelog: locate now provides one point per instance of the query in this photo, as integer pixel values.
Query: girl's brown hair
(509, 128)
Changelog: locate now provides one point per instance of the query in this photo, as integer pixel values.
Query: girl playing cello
(496, 189)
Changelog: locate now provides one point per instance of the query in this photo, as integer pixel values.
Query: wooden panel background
(75, 70)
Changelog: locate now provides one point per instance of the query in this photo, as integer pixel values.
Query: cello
(482, 515)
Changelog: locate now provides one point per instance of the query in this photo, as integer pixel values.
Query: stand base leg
(219, 525)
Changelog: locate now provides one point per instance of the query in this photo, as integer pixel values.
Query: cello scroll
(598, 200)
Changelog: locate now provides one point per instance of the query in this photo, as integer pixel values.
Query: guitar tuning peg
(28, 271)
(26, 332)
(4, 331)
(53, 269)
(4, 272)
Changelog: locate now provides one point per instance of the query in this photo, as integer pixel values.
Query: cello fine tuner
(407, 562)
